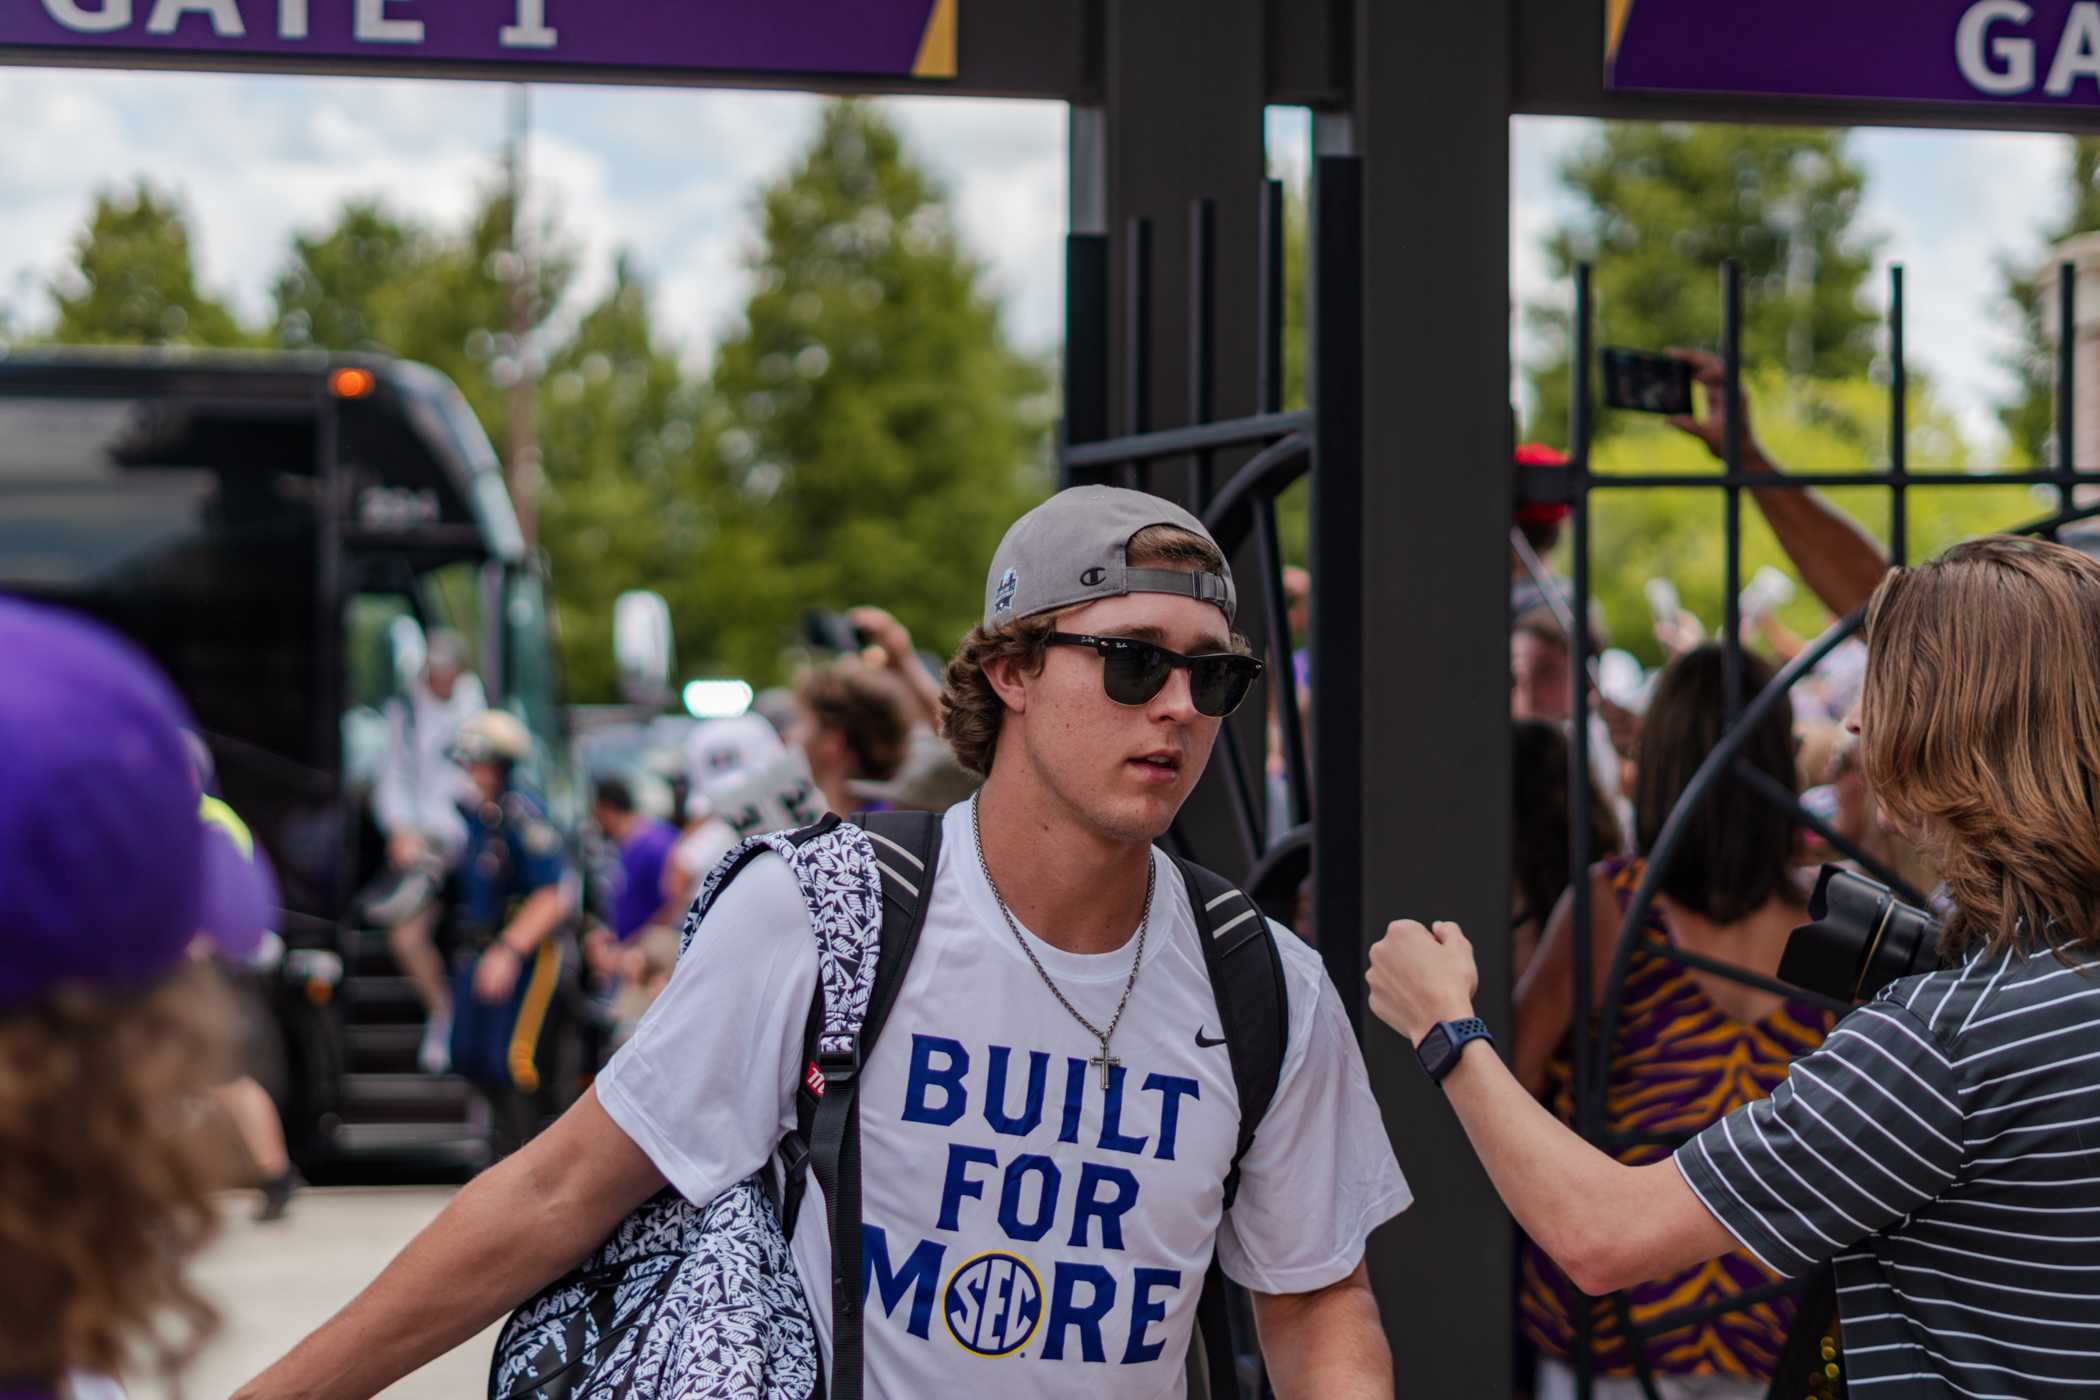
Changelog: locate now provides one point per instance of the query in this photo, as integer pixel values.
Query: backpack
(702, 1302)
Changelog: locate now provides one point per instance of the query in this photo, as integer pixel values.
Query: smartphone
(1663, 604)
(830, 631)
(1646, 383)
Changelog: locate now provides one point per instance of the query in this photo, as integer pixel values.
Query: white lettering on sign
(106, 18)
(2009, 69)
(373, 26)
(291, 19)
(531, 31)
(224, 14)
(2078, 56)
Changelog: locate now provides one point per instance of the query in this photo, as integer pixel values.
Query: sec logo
(993, 1304)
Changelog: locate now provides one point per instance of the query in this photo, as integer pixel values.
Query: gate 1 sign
(882, 38)
(2028, 52)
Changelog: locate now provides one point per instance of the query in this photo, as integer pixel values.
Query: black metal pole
(2066, 381)
(1203, 239)
(1732, 518)
(1589, 1088)
(1137, 330)
(1338, 703)
(1086, 347)
(1899, 425)
(1268, 364)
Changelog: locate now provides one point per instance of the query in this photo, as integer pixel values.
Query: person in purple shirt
(645, 845)
(112, 869)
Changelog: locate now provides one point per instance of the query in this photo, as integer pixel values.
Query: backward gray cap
(1072, 549)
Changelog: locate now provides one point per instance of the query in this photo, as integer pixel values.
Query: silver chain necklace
(1106, 1061)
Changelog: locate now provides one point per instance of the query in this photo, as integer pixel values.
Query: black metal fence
(1722, 769)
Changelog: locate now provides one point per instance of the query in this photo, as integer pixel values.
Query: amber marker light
(352, 383)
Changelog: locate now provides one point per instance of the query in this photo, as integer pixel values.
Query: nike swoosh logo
(1204, 1043)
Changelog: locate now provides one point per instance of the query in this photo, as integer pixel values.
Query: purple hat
(109, 865)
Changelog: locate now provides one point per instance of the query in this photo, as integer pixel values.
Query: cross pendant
(1107, 1062)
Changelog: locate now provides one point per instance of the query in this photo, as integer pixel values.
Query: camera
(1861, 938)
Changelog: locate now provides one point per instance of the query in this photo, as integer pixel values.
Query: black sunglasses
(1132, 672)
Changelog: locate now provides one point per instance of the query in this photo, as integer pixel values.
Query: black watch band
(1440, 1049)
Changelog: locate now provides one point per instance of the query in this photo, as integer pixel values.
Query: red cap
(1533, 454)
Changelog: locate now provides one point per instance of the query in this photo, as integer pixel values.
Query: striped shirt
(1943, 1148)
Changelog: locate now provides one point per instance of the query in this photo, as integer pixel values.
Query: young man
(1939, 1147)
(417, 804)
(1047, 1119)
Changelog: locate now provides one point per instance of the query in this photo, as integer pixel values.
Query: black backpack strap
(1246, 979)
(907, 853)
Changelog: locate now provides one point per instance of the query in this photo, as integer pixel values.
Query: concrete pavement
(275, 1283)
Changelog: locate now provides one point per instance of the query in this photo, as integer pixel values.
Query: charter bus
(278, 531)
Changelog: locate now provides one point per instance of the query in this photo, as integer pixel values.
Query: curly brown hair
(972, 712)
(104, 1175)
(1980, 733)
(869, 709)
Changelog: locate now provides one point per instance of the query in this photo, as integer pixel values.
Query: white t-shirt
(1028, 1234)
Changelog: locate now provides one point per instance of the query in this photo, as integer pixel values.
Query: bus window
(189, 526)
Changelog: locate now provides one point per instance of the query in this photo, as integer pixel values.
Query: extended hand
(1419, 977)
(1711, 426)
(883, 631)
(496, 974)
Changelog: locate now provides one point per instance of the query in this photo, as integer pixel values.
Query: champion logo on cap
(1003, 600)
(1093, 578)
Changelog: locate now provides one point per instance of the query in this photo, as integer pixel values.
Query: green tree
(343, 289)
(1663, 206)
(623, 504)
(378, 281)
(2030, 416)
(1811, 426)
(870, 429)
(133, 279)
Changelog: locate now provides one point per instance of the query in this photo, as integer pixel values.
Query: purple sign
(2024, 52)
(880, 38)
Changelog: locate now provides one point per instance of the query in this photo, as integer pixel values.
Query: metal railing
(1591, 1053)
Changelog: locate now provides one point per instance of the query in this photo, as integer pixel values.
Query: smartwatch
(1439, 1050)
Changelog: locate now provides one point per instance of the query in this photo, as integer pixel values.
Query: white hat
(720, 753)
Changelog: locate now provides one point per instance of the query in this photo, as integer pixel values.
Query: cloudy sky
(672, 175)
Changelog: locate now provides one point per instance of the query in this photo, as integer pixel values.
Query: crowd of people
(1046, 1148)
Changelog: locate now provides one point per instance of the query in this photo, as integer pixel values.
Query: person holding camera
(1939, 1149)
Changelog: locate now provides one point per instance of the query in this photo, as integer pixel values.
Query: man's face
(1539, 679)
(441, 678)
(489, 778)
(1121, 770)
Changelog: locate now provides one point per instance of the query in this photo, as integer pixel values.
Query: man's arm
(1605, 1224)
(1838, 560)
(889, 634)
(511, 1231)
(497, 971)
(1327, 1343)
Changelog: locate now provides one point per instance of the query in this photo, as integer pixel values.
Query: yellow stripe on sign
(937, 46)
(218, 814)
(1616, 13)
(532, 1015)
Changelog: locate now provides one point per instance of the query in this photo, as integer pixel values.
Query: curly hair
(868, 708)
(1980, 733)
(104, 1175)
(972, 712)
